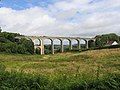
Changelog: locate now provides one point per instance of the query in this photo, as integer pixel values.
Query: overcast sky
(85, 18)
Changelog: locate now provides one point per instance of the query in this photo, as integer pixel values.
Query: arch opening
(36, 42)
(83, 43)
(66, 45)
(47, 46)
(57, 45)
(38, 50)
(74, 44)
(91, 43)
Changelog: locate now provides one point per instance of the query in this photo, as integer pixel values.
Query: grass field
(72, 63)
(88, 65)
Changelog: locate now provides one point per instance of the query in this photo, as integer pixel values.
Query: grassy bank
(89, 70)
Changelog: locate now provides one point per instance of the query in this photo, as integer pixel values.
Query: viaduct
(61, 39)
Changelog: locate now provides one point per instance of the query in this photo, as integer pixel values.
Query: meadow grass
(69, 70)
(88, 61)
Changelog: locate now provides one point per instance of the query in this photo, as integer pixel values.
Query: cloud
(24, 21)
(101, 20)
(64, 18)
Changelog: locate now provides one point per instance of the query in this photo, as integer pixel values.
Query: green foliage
(28, 45)
(4, 40)
(37, 51)
(21, 81)
(48, 49)
(110, 82)
(102, 40)
(2, 68)
(56, 47)
(21, 49)
(9, 36)
(119, 39)
(9, 44)
(0, 30)
(8, 47)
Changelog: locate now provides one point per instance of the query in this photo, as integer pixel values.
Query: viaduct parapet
(61, 39)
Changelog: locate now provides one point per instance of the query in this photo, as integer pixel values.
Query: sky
(83, 18)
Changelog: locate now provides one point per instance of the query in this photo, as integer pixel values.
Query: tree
(119, 39)
(29, 45)
(0, 29)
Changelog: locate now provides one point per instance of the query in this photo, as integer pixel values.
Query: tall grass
(89, 70)
(21, 81)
